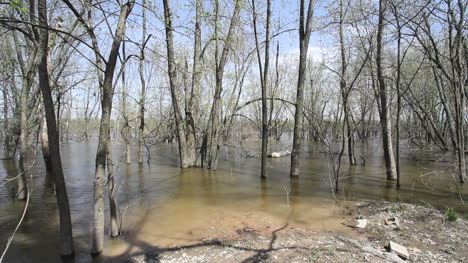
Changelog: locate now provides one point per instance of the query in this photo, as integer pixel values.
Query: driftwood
(278, 154)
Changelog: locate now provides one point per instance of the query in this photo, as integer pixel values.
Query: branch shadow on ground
(150, 253)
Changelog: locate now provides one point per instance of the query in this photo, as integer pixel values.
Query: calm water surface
(164, 206)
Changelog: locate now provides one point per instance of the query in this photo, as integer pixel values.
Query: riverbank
(424, 231)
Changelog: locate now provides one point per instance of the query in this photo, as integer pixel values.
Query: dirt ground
(423, 230)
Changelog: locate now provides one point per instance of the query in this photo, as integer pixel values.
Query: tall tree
(263, 81)
(54, 162)
(174, 85)
(126, 125)
(107, 93)
(448, 58)
(305, 29)
(345, 88)
(192, 109)
(141, 71)
(385, 121)
(211, 140)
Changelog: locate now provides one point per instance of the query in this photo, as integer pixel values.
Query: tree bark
(174, 85)
(107, 92)
(45, 146)
(345, 90)
(304, 37)
(126, 126)
(7, 149)
(113, 206)
(141, 65)
(55, 162)
(191, 110)
(211, 144)
(385, 121)
(264, 82)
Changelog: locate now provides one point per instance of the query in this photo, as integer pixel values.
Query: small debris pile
(416, 233)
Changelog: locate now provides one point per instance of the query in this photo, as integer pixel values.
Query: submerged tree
(105, 69)
(385, 120)
(305, 29)
(263, 81)
(54, 162)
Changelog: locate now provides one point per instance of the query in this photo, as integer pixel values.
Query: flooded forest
(233, 131)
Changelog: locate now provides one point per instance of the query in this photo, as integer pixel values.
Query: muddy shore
(424, 231)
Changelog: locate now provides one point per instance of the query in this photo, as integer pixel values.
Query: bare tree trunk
(385, 121)
(304, 37)
(67, 121)
(141, 129)
(398, 88)
(264, 82)
(107, 93)
(460, 73)
(113, 207)
(459, 121)
(7, 151)
(171, 64)
(45, 146)
(345, 91)
(191, 110)
(212, 134)
(28, 69)
(264, 94)
(126, 126)
(56, 171)
(24, 150)
(104, 129)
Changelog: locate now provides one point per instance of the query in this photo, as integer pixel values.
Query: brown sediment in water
(164, 206)
(177, 225)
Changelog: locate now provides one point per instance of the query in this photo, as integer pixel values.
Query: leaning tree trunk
(55, 162)
(104, 131)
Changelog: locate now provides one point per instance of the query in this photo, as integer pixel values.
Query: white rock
(398, 249)
(361, 223)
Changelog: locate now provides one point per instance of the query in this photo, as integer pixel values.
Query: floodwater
(163, 206)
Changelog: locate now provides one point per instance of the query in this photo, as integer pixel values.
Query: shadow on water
(166, 208)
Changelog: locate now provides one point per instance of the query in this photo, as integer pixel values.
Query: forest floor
(423, 230)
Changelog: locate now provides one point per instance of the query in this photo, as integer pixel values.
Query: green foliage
(315, 254)
(452, 216)
(397, 208)
(18, 5)
(331, 251)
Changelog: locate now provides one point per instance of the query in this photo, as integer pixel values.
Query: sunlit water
(164, 206)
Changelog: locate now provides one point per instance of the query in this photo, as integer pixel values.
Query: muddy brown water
(164, 206)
